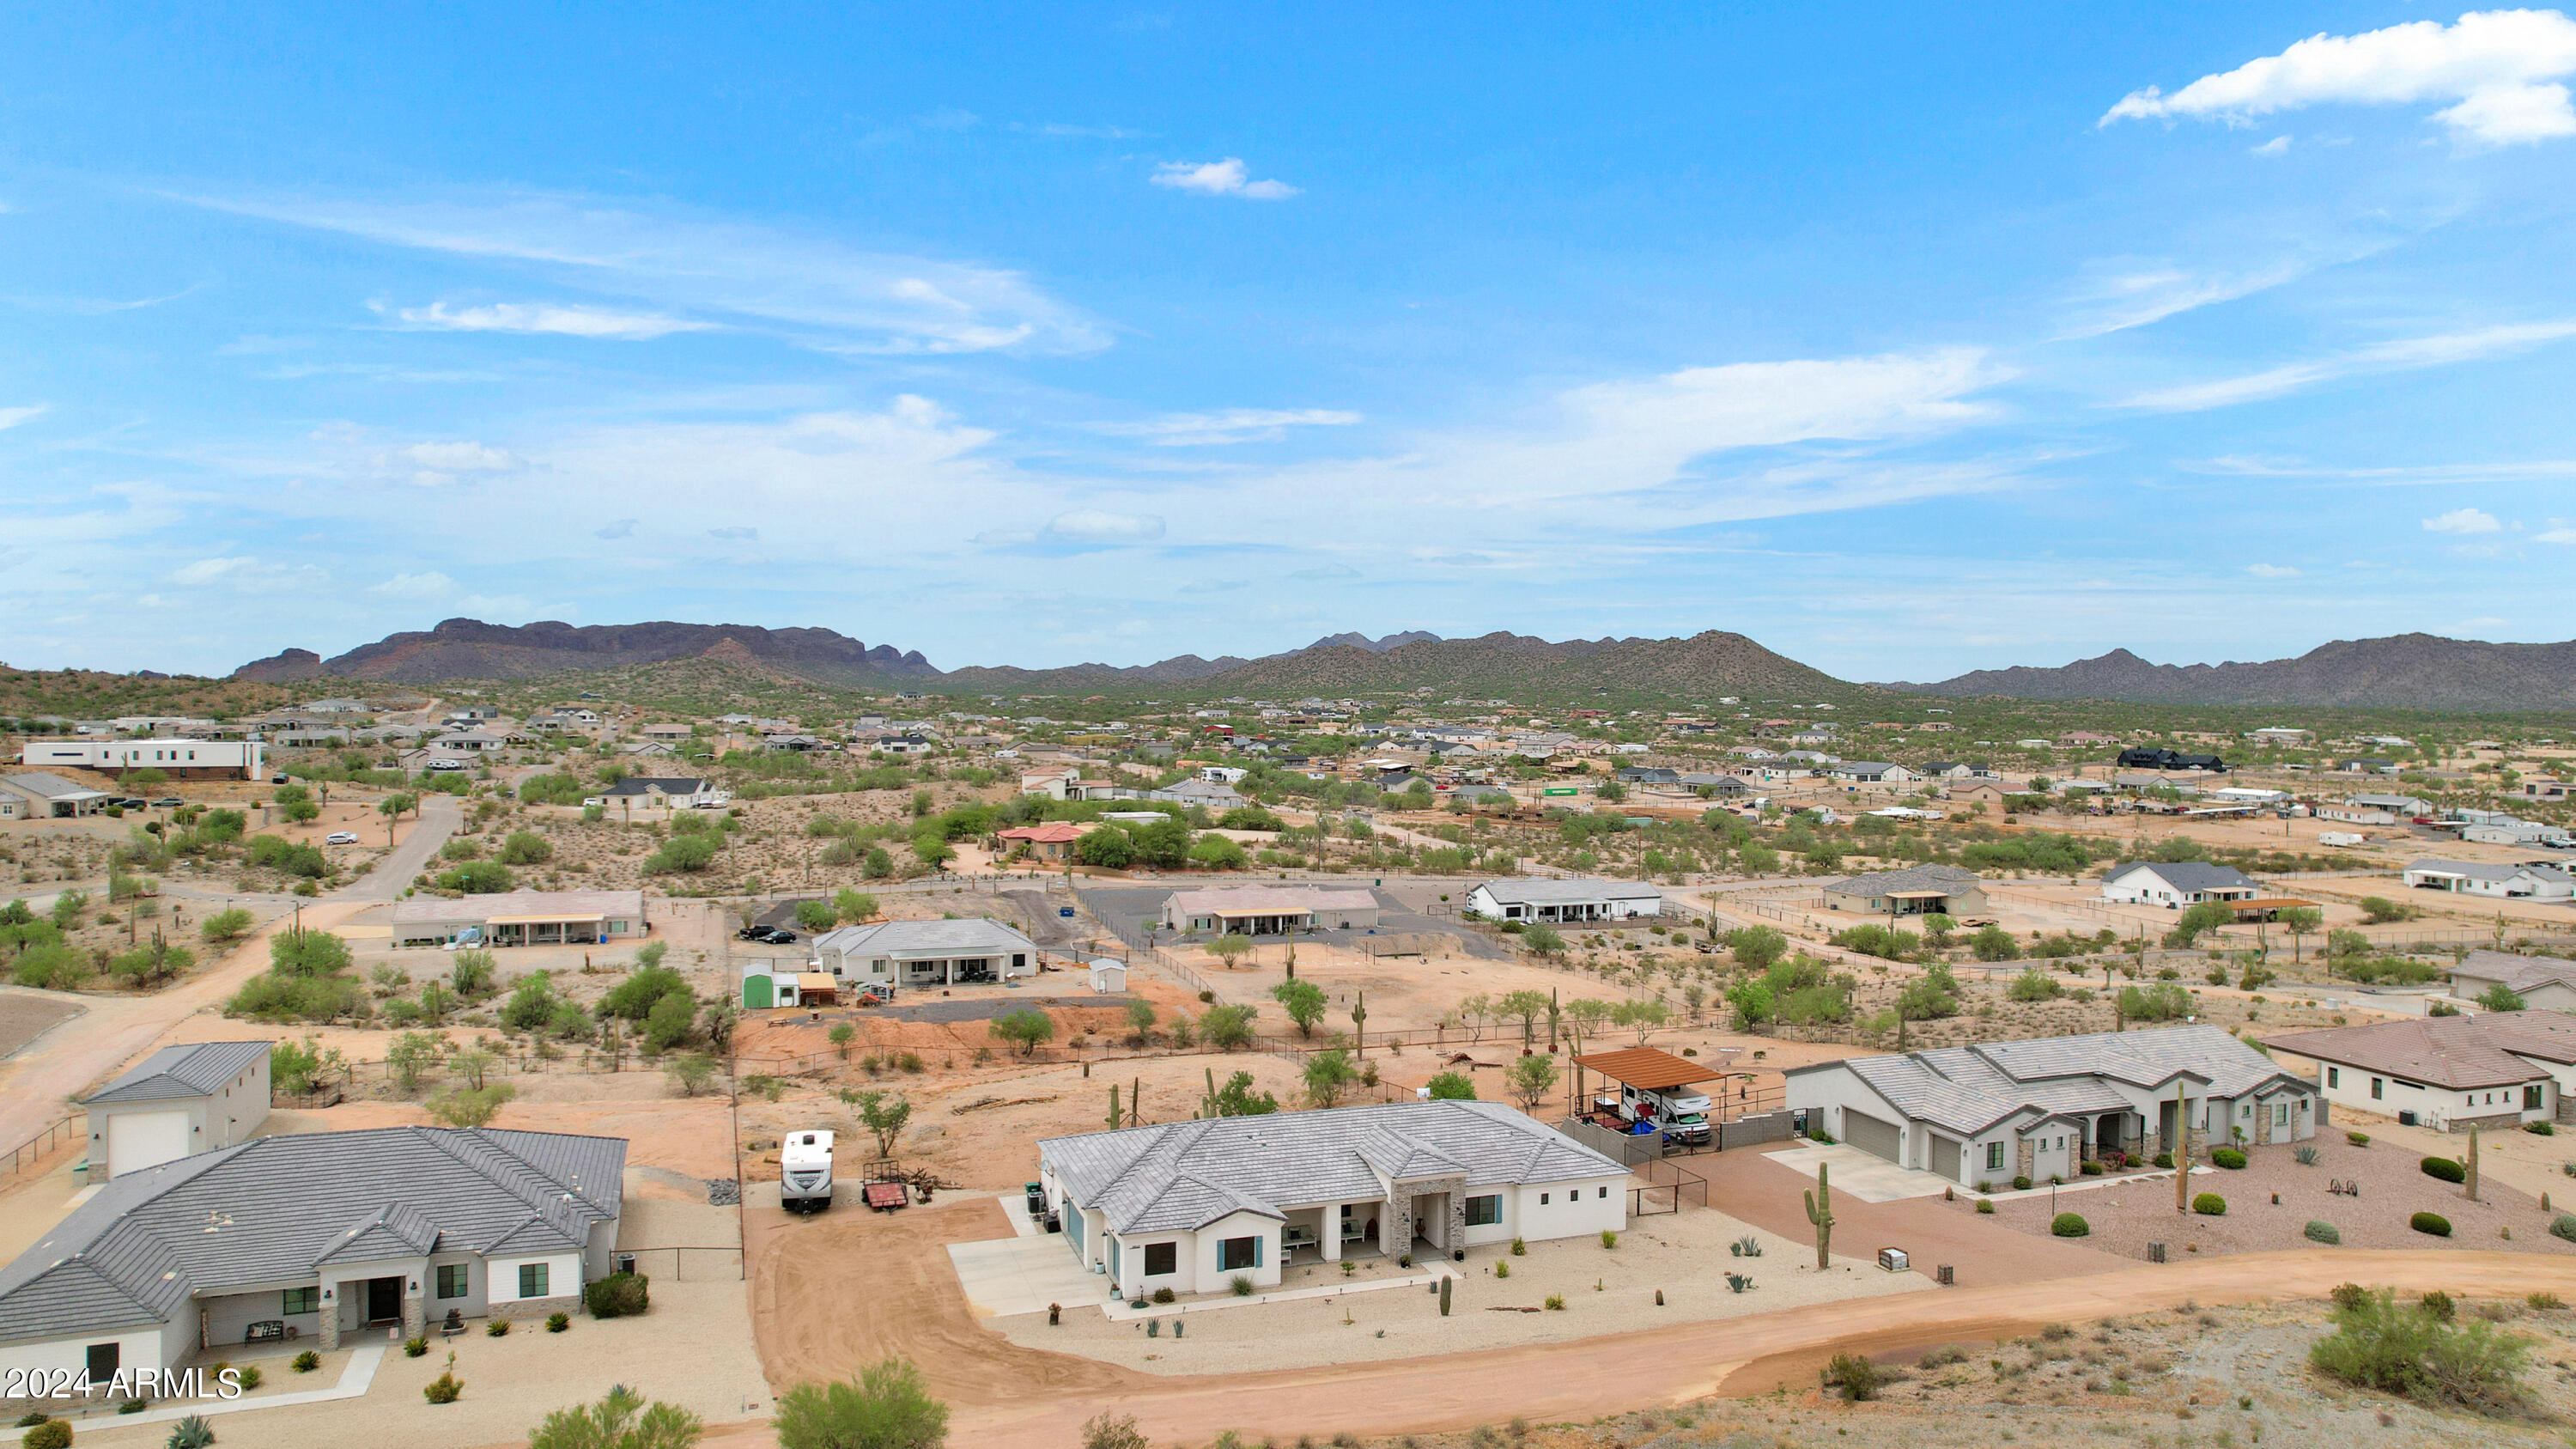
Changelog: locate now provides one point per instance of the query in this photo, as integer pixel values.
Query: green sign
(1559, 790)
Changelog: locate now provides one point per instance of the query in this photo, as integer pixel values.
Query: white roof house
(2176, 884)
(2039, 1109)
(38, 795)
(2478, 878)
(1543, 898)
(1270, 910)
(522, 918)
(1191, 1205)
(926, 953)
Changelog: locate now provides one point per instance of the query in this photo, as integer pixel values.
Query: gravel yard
(2393, 1188)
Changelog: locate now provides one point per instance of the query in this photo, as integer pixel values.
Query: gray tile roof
(2189, 875)
(966, 936)
(2517, 973)
(1969, 1089)
(1913, 878)
(1176, 1176)
(649, 784)
(271, 1209)
(1551, 891)
(178, 1072)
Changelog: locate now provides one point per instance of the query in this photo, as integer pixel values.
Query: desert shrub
(2227, 1157)
(2092, 1168)
(2021, 1184)
(2209, 1205)
(307, 1361)
(1241, 1283)
(2321, 1231)
(2164, 1159)
(2432, 1223)
(2563, 1226)
(557, 1322)
(618, 1295)
(415, 1346)
(1985, 1205)
(51, 1434)
(1165, 1295)
(2304, 1155)
(1854, 1377)
(2445, 1169)
(2439, 1304)
(2410, 1352)
(1556, 1301)
(2357, 1139)
(2543, 1302)
(2541, 1129)
(497, 1328)
(2349, 1296)
(2069, 1225)
(250, 1376)
(192, 1432)
(447, 1388)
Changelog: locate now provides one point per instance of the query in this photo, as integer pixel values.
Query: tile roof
(2485, 1050)
(621, 904)
(177, 1072)
(273, 1208)
(1177, 1176)
(2482, 870)
(1912, 878)
(648, 784)
(1552, 891)
(1270, 900)
(50, 787)
(1971, 1088)
(2517, 973)
(970, 935)
(2188, 875)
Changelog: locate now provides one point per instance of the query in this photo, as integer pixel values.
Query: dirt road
(36, 1086)
(833, 1293)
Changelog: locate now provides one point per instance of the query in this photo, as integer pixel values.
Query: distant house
(1052, 841)
(1921, 890)
(955, 952)
(38, 795)
(1871, 772)
(1982, 791)
(904, 745)
(323, 1234)
(2477, 878)
(2368, 766)
(2161, 758)
(2174, 885)
(2506, 830)
(522, 918)
(1649, 775)
(1270, 910)
(2543, 787)
(177, 1102)
(1947, 770)
(1718, 787)
(669, 734)
(1199, 792)
(671, 792)
(2487, 1069)
(1555, 899)
(467, 742)
(179, 759)
(2545, 983)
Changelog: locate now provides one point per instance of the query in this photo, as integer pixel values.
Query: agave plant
(192, 1432)
(2304, 1155)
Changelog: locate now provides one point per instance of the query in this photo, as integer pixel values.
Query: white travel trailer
(805, 1172)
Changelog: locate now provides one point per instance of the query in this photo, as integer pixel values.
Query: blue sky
(1906, 343)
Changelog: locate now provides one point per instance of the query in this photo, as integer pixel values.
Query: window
(1161, 1259)
(1605, 1192)
(1485, 1210)
(301, 1300)
(1994, 1157)
(2280, 1114)
(1542, 1199)
(453, 1280)
(1233, 1253)
(532, 1280)
(2375, 1092)
(2334, 1077)
(2531, 1097)
(103, 1361)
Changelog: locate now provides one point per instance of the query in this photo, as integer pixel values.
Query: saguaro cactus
(2473, 1164)
(1820, 1211)
(1444, 1295)
(1116, 1119)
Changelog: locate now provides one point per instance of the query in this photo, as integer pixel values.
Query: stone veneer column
(1399, 1206)
(414, 1308)
(330, 1315)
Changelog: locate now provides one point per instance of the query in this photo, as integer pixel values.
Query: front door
(384, 1299)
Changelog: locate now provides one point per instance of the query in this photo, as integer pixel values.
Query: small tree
(883, 1114)
(1530, 1079)
(470, 1106)
(886, 1407)
(691, 1072)
(1227, 1028)
(851, 907)
(1025, 1028)
(1303, 1001)
(410, 1055)
(1329, 1074)
(225, 927)
(1452, 1087)
(842, 1035)
(1103, 1431)
(816, 915)
(619, 1421)
(1544, 940)
(1529, 1006)
(2500, 997)
(1230, 947)
(2300, 921)
(1643, 1016)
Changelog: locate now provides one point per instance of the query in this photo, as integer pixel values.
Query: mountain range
(2405, 671)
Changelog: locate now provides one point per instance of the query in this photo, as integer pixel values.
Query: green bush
(2070, 1225)
(2541, 1129)
(192, 1432)
(307, 1361)
(2021, 1184)
(2164, 1159)
(1985, 1205)
(618, 1295)
(2433, 1223)
(557, 1322)
(51, 1434)
(415, 1346)
(2563, 1226)
(2445, 1169)
(447, 1388)
(2209, 1205)
(2092, 1168)
(497, 1328)
(2357, 1139)
(2321, 1231)
(2227, 1157)
(1854, 1376)
(2409, 1351)
(251, 1376)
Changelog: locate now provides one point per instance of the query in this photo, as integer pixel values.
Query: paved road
(37, 1087)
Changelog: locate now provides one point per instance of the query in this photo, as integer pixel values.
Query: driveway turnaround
(1023, 1275)
(1864, 1175)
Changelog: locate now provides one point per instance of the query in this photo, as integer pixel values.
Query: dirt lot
(2393, 1188)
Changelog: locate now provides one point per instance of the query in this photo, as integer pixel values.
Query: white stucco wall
(501, 1284)
(150, 1347)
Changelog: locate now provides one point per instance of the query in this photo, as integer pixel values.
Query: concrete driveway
(1023, 1275)
(1862, 1174)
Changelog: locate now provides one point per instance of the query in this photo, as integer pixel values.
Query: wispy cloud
(12, 417)
(824, 293)
(1234, 425)
(463, 457)
(1220, 178)
(2560, 531)
(2129, 293)
(2277, 146)
(2271, 571)
(621, 528)
(2413, 352)
(569, 321)
(736, 533)
(2463, 521)
(2497, 67)
(1094, 525)
(429, 584)
(2422, 476)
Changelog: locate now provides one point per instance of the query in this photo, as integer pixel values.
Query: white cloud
(12, 417)
(2277, 146)
(1220, 178)
(845, 299)
(430, 584)
(2496, 66)
(1234, 425)
(2132, 292)
(1093, 525)
(2463, 521)
(737, 533)
(569, 321)
(2560, 531)
(2409, 353)
(462, 457)
(619, 528)
(208, 570)
(2271, 571)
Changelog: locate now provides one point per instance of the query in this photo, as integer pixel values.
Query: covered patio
(566, 928)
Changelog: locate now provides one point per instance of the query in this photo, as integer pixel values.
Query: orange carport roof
(1649, 1068)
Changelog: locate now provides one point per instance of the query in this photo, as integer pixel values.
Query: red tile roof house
(1051, 841)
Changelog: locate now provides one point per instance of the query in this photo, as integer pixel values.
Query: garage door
(1945, 1158)
(1869, 1134)
(137, 1140)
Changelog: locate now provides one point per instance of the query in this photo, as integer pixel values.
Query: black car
(752, 933)
(778, 935)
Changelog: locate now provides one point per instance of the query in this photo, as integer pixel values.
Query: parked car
(340, 837)
(278, 780)
(777, 936)
(131, 804)
(168, 802)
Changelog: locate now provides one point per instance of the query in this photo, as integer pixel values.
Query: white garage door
(137, 1140)
(1869, 1134)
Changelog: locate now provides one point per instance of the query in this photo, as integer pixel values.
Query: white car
(340, 837)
